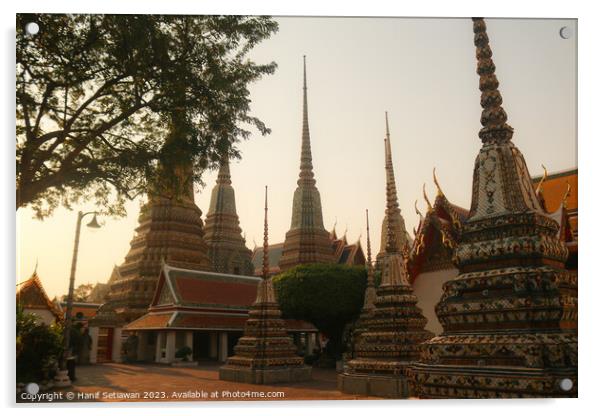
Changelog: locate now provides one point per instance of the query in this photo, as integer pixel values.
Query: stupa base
(392, 387)
(264, 376)
(451, 382)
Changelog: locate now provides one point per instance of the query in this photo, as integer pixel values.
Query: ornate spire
(223, 175)
(306, 176)
(369, 253)
(265, 237)
(439, 190)
(306, 241)
(493, 118)
(223, 235)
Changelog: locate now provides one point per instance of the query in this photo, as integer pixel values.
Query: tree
(327, 295)
(81, 293)
(96, 95)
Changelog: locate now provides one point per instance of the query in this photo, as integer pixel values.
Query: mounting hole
(566, 32)
(32, 28)
(32, 388)
(566, 384)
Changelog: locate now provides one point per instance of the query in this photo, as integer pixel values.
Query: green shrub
(183, 353)
(38, 348)
(327, 295)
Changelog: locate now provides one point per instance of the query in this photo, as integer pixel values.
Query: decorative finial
(416, 209)
(35, 269)
(542, 180)
(428, 203)
(265, 237)
(306, 175)
(493, 117)
(388, 134)
(414, 230)
(439, 191)
(369, 252)
(566, 194)
(223, 175)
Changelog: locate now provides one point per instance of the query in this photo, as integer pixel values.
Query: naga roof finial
(542, 180)
(416, 209)
(439, 191)
(428, 203)
(493, 117)
(566, 194)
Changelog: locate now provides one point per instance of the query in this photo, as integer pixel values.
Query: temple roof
(31, 295)
(190, 299)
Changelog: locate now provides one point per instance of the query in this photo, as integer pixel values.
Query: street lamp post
(62, 378)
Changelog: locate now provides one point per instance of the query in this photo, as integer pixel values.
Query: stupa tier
(510, 317)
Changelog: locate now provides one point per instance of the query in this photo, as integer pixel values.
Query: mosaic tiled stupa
(307, 241)
(265, 354)
(388, 337)
(223, 236)
(396, 221)
(510, 317)
(170, 230)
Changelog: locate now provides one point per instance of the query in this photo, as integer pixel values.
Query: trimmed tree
(328, 295)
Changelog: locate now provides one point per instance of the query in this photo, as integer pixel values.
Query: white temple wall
(428, 288)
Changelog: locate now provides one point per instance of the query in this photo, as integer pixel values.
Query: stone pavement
(153, 382)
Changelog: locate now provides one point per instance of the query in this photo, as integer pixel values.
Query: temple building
(204, 311)
(265, 354)
(223, 235)
(510, 317)
(391, 329)
(306, 241)
(431, 257)
(32, 298)
(394, 220)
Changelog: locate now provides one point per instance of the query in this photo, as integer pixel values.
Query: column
(170, 347)
(158, 346)
(93, 332)
(213, 345)
(223, 346)
(141, 349)
(311, 342)
(116, 345)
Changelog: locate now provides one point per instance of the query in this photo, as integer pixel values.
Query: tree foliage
(327, 295)
(96, 95)
(38, 349)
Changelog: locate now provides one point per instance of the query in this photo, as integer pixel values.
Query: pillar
(141, 349)
(311, 342)
(170, 347)
(213, 345)
(93, 332)
(223, 346)
(158, 346)
(116, 345)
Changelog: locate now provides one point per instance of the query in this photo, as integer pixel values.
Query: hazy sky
(422, 71)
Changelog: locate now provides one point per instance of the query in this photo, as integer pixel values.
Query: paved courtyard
(150, 382)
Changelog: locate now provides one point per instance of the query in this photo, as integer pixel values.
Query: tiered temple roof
(198, 300)
(223, 235)
(510, 316)
(265, 354)
(306, 241)
(32, 297)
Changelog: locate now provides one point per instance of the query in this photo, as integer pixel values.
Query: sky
(420, 70)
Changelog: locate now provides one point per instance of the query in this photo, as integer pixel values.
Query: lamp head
(94, 222)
